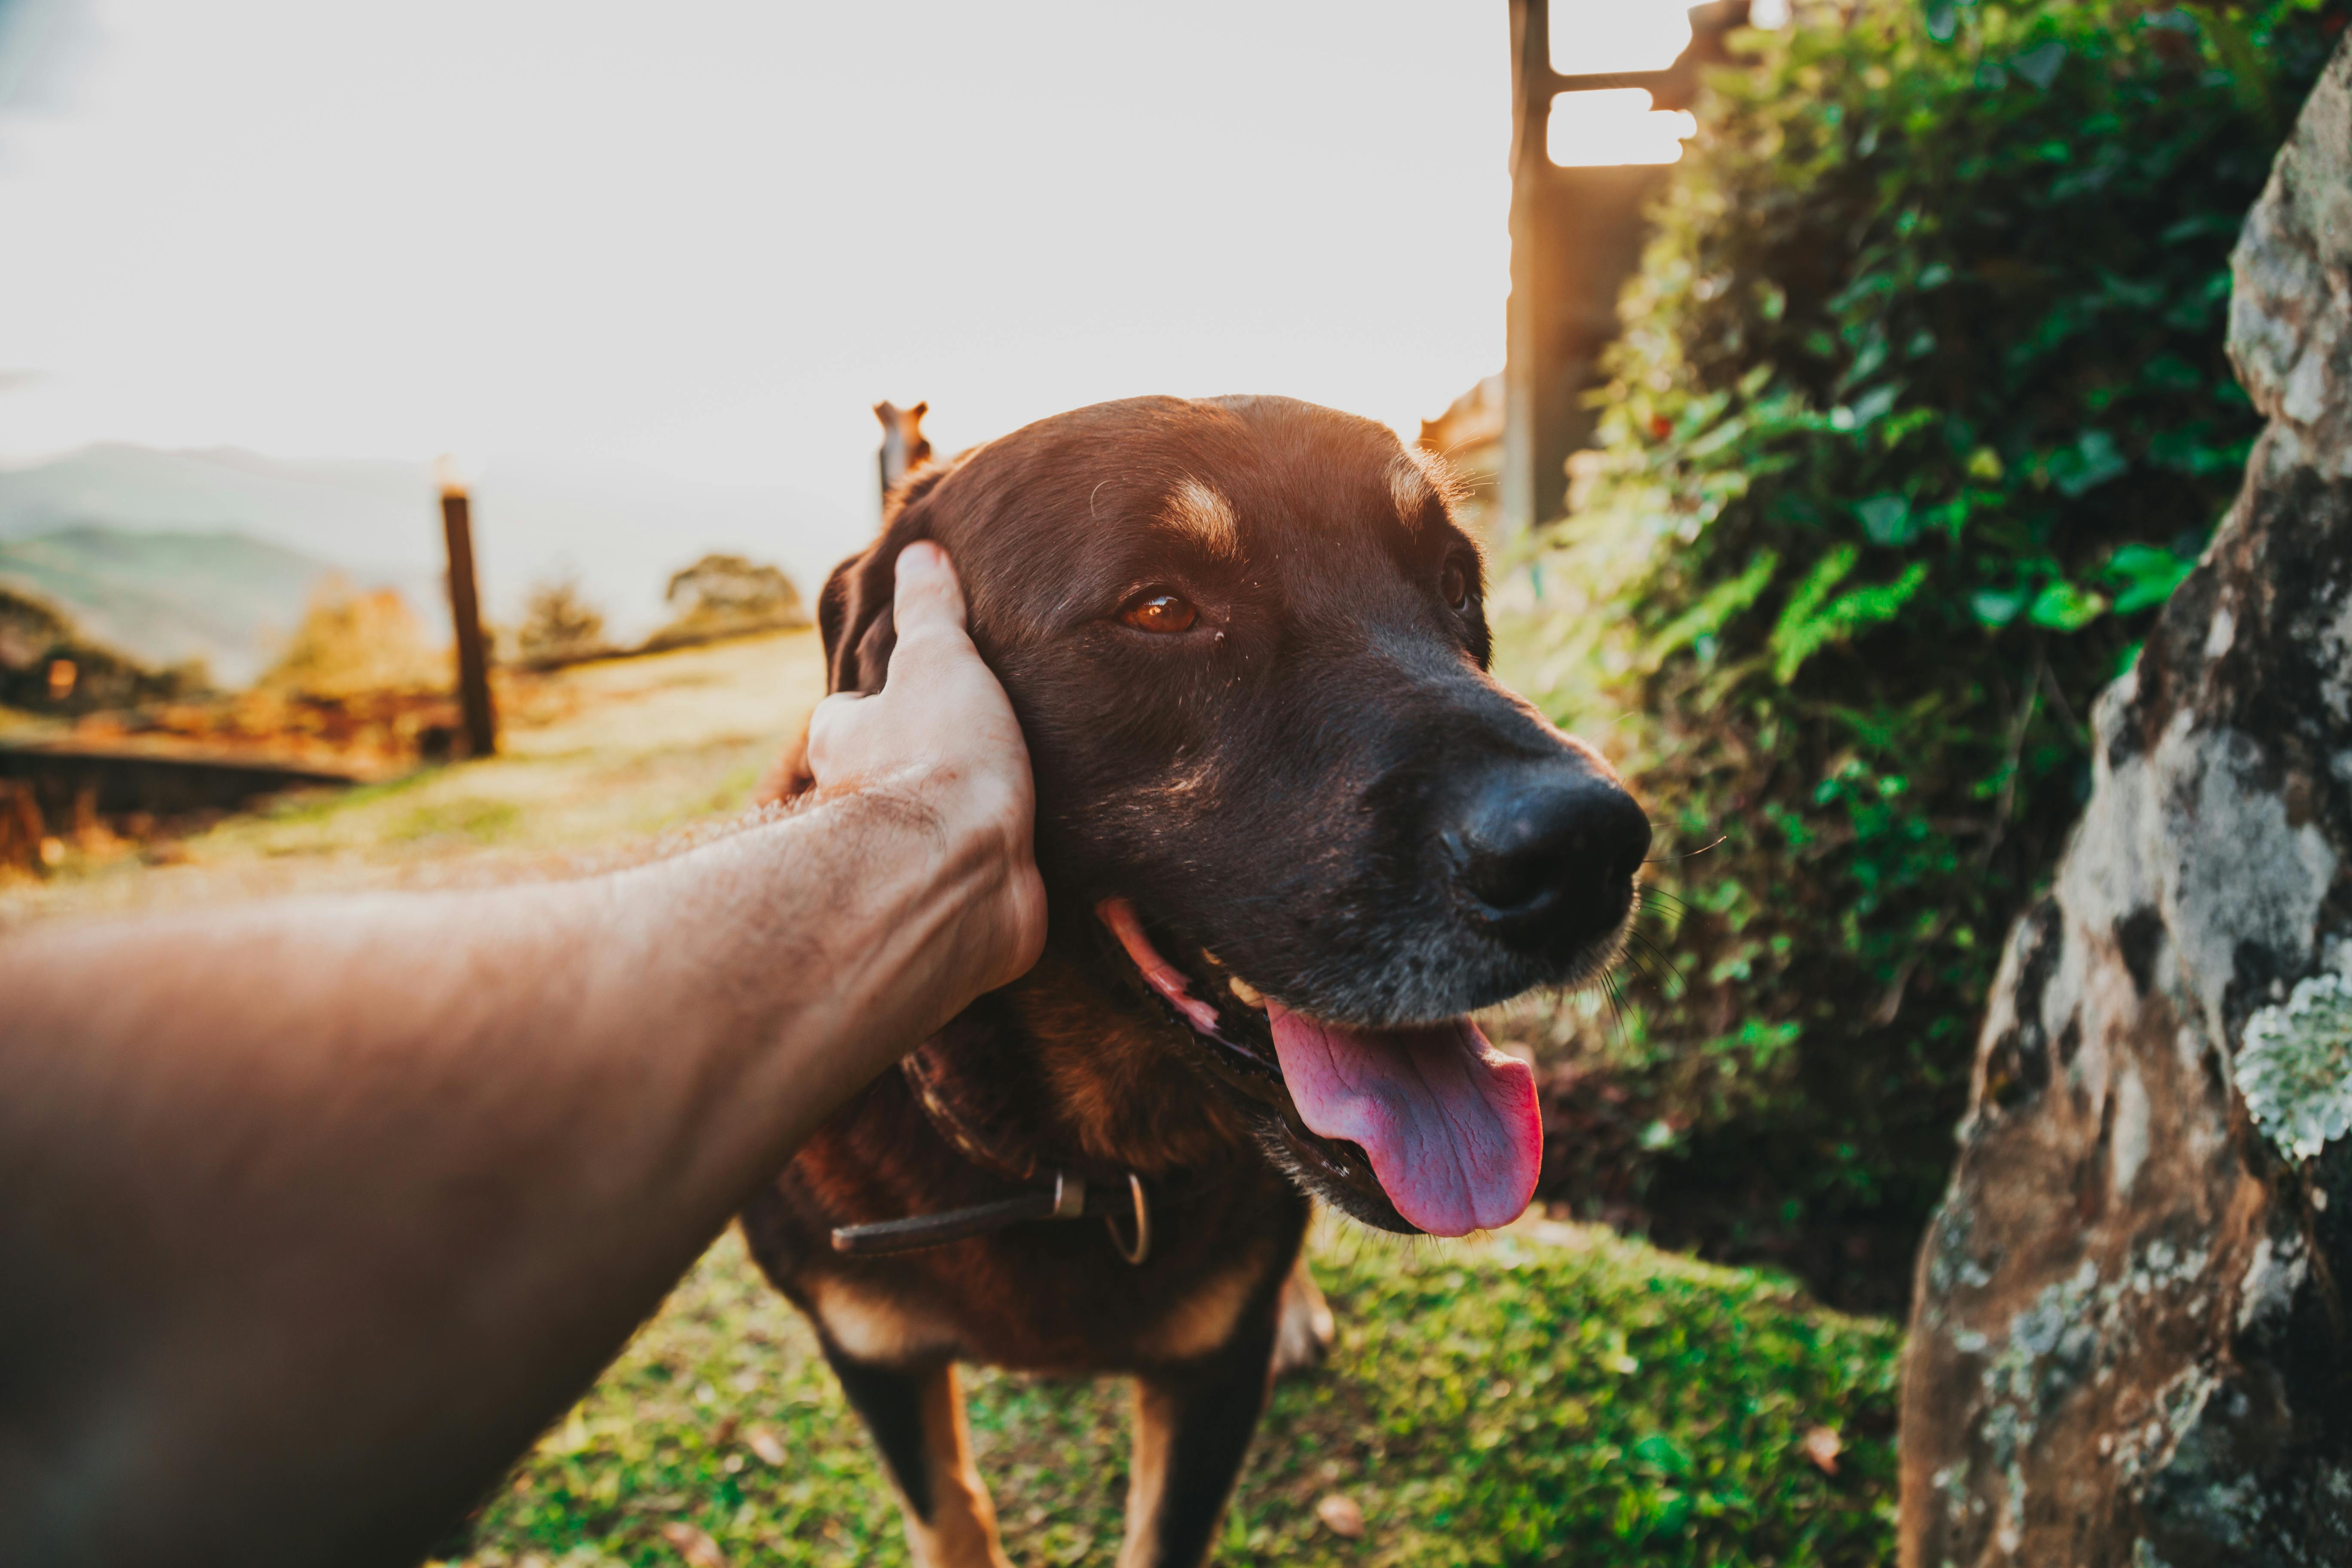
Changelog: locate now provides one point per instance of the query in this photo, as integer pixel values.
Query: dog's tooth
(1246, 993)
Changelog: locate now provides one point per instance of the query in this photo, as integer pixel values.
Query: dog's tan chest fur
(877, 1324)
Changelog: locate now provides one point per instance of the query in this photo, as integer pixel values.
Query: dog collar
(1057, 1193)
(1070, 1198)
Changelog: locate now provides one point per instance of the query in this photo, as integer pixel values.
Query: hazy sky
(699, 239)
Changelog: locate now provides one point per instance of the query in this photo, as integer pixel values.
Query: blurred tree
(351, 643)
(559, 623)
(725, 596)
(1921, 408)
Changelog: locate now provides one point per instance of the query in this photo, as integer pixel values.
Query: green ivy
(1920, 409)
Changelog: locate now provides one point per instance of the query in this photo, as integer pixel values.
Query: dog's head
(1277, 790)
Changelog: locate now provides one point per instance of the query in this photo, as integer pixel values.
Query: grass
(1548, 1394)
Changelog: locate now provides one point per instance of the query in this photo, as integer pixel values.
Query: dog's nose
(1547, 852)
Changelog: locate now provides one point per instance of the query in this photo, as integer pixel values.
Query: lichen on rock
(2295, 1066)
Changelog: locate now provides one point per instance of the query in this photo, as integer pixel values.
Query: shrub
(352, 643)
(728, 595)
(48, 665)
(1920, 409)
(559, 623)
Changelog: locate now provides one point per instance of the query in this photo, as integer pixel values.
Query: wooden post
(466, 616)
(1576, 236)
(1520, 506)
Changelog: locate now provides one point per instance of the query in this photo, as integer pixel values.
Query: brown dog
(1291, 832)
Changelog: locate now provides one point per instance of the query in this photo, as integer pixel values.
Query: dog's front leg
(1304, 1327)
(1193, 1426)
(917, 1417)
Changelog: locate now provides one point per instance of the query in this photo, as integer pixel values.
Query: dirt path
(596, 760)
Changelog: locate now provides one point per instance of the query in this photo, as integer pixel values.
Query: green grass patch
(1508, 1401)
(482, 821)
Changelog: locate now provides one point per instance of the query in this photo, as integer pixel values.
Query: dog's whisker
(1644, 973)
(1653, 894)
(1659, 949)
(1660, 955)
(1644, 961)
(1615, 992)
(1668, 917)
(1687, 854)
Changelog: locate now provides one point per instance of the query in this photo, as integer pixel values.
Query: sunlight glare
(1616, 125)
(1617, 35)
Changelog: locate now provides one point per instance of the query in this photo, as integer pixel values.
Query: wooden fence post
(466, 616)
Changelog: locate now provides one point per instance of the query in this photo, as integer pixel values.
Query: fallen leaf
(694, 1545)
(1340, 1515)
(724, 1430)
(1822, 1447)
(763, 1442)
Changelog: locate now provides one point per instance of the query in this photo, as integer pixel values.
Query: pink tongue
(1450, 1122)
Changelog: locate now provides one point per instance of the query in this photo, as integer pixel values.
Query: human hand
(941, 735)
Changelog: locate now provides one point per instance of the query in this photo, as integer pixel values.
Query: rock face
(2132, 1337)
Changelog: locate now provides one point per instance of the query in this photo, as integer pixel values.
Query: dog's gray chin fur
(1306, 1158)
(1432, 979)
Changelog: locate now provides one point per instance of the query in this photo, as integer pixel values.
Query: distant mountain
(620, 535)
(164, 598)
(341, 511)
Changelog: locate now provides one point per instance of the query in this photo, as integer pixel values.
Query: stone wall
(2132, 1342)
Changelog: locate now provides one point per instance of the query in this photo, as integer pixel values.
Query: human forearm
(311, 1214)
(387, 1169)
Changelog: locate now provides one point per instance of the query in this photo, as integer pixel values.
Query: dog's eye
(1159, 611)
(1454, 585)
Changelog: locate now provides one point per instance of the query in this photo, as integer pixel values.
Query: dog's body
(1246, 644)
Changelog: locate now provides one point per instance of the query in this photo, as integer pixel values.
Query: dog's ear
(855, 623)
(834, 615)
(854, 611)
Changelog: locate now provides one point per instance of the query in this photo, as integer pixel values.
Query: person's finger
(927, 592)
(927, 610)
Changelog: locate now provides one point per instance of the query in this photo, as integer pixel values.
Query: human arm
(313, 1212)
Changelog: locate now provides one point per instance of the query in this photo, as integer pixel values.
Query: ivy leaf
(1812, 620)
(2145, 574)
(1721, 602)
(1869, 361)
(1997, 606)
(2089, 463)
(2064, 607)
(2039, 65)
(1887, 520)
(1657, 1452)
(1808, 596)
(1866, 410)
